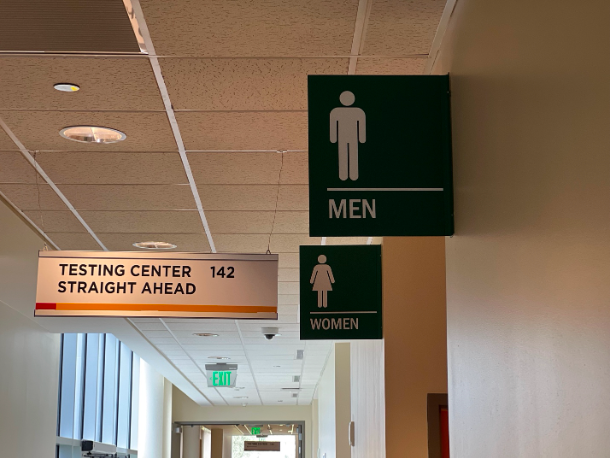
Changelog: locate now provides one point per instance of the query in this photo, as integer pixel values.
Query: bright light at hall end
(92, 134)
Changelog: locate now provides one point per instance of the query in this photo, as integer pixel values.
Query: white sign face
(262, 446)
(127, 284)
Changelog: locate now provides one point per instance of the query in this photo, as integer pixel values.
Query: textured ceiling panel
(401, 27)
(171, 222)
(6, 144)
(378, 66)
(74, 241)
(56, 221)
(243, 130)
(288, 299)
(287, 222)
(289, 260)
(113, 168)
(288, 275)
(128, 197)
(244, 84)
(236, 222)
(32, 197)
(289, 243)
(145, 131)
(66, 25)
(15, 169)
(105, 83)
(184, 242)
(241, 243)
(251, 28)
(346, 240)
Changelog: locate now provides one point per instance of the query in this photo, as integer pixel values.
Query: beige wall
(529, 266)
(414, 321)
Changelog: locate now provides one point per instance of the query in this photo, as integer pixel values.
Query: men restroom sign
(379, 156)
(340, 292)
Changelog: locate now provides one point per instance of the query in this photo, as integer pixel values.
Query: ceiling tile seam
(439, 35)
(245, 151)
(29, 221)
(362, 19)
(195, 110)
(154, 62)
(192, 359)
(84, 55)
(129, 320)
(241, 338)
(26, 154)
(70, 110)
(135, 26)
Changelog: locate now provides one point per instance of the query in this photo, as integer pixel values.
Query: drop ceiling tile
(244, 84)
(270, 28)
(289, 260)
(6, 144)
(185, 242)
(168, 222)
(255, 326)
(236, 167)
(289, 243)
(288, 275)
(290, 309)
(385, 66)
(288, 299)
(128, 197)
(288, 287)
(55, 221)
(254, 131)
(238, 197)
(399, 27)
(293, 197)
(106, 83)
(15, 169)
(74, 241)
(113, 168)
(346, 240)
(188, 324)
(32, 197)
(241, 243)
(295, 169)
(288, 222)
(149, 326)
(238, 222)
(148, 131)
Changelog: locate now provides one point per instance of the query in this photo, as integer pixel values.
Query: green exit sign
(256, 431)
(221, 378)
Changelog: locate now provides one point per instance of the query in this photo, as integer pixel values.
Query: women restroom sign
(340, 292)
(379, 156)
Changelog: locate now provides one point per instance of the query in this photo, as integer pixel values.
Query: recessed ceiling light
(244, 405)
(218, 357)
(277, 366)
(155, 245)
(92, 134)
(66, 87)
(240, 397)
(280, 401)
(205, 334)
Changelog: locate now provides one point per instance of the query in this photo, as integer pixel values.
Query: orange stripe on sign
(168, 308)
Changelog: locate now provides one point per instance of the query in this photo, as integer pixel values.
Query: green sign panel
(255, 431)
(221, 378)
(221, 374)
(340, 292)
(379, 156)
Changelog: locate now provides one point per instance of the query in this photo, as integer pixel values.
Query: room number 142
(222, 273)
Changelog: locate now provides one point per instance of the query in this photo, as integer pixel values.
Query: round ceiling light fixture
(240, 397)
(205, 334)
(218, 357)
(66, 87)
(155, 246)
(92, 134)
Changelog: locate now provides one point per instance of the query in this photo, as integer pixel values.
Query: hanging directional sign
(340, 292)
(379, 156)
(126, 284)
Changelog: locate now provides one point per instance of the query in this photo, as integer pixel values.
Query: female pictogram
(322, 279)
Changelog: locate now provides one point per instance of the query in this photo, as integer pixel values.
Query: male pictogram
(348, 128)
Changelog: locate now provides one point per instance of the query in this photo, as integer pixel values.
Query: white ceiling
(206, 112)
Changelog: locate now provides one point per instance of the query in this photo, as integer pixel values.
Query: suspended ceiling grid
(216, 113)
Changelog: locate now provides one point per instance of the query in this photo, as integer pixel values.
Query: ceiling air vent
(300, 354)
(295, 395)
(296, 378)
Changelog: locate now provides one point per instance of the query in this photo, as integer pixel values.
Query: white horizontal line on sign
(335, 313)
(384, 189)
